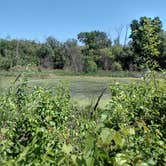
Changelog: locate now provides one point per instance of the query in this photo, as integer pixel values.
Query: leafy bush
(4, 63)
(30, 120)
(90, 65)
(132, 129)
(116, 66)
(41, 127)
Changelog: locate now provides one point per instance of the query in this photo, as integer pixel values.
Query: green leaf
(121, 160)
(131, 131)
(67, 148)
(74, 158)
(118, 139)
(107, 135)
(4, 130)
(89, 161)
(103, 117)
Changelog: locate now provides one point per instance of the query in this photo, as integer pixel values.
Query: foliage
(148, 45)
(97, 48)
(73, 56)
(42, 127)
(146, 39)
(162, 58)
(29, 117)
(116, 66)
(56, 50)
(4, 63)
(90, 65)
(94, 39)
(106, 58)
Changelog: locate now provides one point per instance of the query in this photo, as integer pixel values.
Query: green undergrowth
(41, 126)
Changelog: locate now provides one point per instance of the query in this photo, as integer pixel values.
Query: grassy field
(84, 89)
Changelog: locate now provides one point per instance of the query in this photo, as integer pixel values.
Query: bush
(41, 127)
(132, 129)
(30, 123)
(90, 65)
(4, 63)
(116, 66)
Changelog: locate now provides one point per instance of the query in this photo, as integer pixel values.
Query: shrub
(90, 65)
(29, 122)
(41, 127)
(4, 63)
(116, 66)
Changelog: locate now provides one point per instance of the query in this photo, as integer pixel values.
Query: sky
(64, 19)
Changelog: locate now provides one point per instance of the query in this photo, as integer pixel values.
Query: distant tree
(94, 41)
(56, 50)
(119, 33)
(26, 52)
(106, 58)
(45, 58)
(127, 58)
(73, 56)
(89, 65)
(117, 49)
(145, 34)
(116, 66)
(162, 48)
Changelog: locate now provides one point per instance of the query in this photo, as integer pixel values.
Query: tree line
(92, 51)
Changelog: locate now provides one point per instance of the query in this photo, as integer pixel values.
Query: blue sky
(64, 19)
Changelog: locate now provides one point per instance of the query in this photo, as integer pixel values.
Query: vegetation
(43, 127)
(42, 124)
(95, 51)
(84, 87)
(146, 39)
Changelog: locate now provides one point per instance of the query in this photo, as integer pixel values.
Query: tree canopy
(146, 40)
(97, 51)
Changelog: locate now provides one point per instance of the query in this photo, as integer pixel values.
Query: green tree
(45, 56)
(94, 41)
(126, 57)
(18, 52)
(162, 48)
(106, 58)
(73, 56)
(56, 50)
(145, 34)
